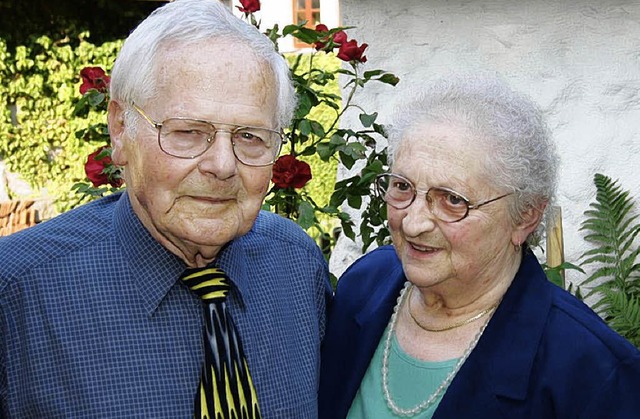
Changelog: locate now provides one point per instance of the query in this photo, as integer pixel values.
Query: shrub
(38, 86)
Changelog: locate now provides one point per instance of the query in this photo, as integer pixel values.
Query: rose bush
(306, 136)
(105, 177)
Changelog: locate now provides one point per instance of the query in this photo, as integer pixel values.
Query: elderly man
(177, 297)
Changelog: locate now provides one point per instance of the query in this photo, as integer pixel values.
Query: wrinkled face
(432, 252)
(211, 199)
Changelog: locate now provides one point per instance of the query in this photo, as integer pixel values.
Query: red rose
(94, 78)
(289, 172)
(249, 6)
(321, 28)
(95, 169)
(340, 37)
(350, 51)
(337, 38)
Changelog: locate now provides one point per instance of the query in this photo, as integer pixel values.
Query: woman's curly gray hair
(520, 154)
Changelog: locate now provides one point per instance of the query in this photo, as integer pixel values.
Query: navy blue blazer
(543, 355)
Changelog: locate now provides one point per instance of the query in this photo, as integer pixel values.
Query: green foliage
(612, 228)
(321, 137)
(38, 86)
(324, 172)
(555, 274)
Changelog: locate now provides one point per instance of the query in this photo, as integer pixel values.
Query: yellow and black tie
(226, 390)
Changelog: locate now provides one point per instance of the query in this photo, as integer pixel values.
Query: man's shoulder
(280, 230)
(75, 229)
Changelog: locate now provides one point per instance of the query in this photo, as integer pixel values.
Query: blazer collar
(503, 359)
(378, 309)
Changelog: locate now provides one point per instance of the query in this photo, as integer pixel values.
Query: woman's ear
(117, 130)
(530, 221)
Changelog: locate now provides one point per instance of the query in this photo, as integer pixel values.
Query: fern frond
(629, 238)
(612, 228)
(602, 272)
(602, 250)
(623, 313)
(601, 257)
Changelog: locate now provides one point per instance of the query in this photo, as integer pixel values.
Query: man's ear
(530, 221)
(117, 130)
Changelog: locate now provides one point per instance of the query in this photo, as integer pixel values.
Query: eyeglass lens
(190, 138)
(399, 192)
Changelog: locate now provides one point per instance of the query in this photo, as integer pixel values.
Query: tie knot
(210, 284)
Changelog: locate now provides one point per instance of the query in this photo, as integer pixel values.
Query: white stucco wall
(579, 59)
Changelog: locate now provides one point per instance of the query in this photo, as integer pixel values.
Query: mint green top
(411, 381)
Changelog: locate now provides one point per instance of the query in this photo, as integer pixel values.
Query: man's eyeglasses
(187, 138)
(445, 204)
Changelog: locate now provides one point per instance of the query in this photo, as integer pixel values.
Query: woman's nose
(419, 218)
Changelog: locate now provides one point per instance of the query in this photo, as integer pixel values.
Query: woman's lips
(423, 248)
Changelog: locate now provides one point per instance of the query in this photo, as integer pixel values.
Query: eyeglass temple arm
(489, 201)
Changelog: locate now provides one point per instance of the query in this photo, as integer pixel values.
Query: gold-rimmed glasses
(187, 138)
(445, 204)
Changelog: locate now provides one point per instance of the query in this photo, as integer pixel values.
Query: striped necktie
(226, 390)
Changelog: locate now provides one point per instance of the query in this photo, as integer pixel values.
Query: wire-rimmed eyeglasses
(445, 204)
(187, 138)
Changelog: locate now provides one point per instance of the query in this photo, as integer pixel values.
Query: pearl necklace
(453, 326)
(385, 363)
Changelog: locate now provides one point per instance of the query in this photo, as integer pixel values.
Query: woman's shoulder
(572, 320)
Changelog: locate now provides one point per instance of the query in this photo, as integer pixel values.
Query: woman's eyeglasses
(445, 204)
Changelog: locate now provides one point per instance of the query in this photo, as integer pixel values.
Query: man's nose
(219, 160)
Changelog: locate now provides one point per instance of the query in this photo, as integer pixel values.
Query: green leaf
(325, 150)
(368, 120)
(347, 229)
(305, 127)
(95, 98)
(290, 29)
(306, 215)
(372, 73)
(337, 140)
(306, 101)
(389, 79)
(346, 160)
(317, 129)
(354, 201)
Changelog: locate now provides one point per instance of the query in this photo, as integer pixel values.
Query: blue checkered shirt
(95, 324)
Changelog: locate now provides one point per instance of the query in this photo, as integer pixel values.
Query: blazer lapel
(372, 320)
(369, 325)
(499, 368)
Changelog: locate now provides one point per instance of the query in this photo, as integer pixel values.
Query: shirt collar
(154, 269)
(233, 260)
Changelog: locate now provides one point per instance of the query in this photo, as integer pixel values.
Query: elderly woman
(457, 319)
